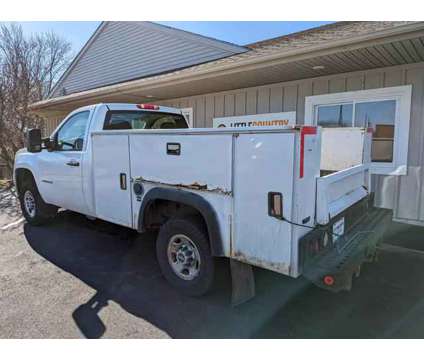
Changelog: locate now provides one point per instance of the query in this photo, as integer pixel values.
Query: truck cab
(61, 170)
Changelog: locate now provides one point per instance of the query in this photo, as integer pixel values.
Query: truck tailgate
(338, 191)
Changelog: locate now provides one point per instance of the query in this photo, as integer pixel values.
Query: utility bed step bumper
(333, 269)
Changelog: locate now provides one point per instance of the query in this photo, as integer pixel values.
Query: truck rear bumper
(333, 269)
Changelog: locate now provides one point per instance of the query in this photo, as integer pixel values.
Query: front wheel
(184, 256)
(34, 209)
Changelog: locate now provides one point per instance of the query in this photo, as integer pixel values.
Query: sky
(238, 32)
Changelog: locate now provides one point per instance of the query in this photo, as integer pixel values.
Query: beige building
(342, 74)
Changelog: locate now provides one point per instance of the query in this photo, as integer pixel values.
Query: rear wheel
(184, 256)
(34, 209)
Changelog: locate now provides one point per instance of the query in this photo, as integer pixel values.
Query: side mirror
(79, 144)
(34, 140)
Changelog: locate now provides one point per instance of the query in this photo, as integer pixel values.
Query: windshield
(126, 120)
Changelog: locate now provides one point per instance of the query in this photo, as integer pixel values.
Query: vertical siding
(240, 103)
(251, 101)
(320, 86)
(229, 105)
(355, 82)
(409, 191)
(394, 78)
(263, 100)
(337, 85)
(219, 108)
(200, 111)
(374, 80)
(209, 110)
(303, 89)
(290, 98)
(276, 99)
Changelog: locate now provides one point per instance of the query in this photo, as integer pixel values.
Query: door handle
(123, 181)
(73, 163)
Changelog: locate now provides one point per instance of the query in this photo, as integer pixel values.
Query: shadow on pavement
(121, 266)
(386, 301)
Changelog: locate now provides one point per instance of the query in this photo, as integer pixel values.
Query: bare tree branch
(29, 67)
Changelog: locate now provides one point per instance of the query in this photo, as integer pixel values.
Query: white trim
(188, 112)
(402, 94)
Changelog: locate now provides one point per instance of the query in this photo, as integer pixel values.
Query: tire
(185, 235)
(39, 212)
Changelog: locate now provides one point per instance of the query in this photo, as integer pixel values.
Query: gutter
(401, 33)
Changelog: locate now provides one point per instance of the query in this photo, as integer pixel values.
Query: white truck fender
(27, 161)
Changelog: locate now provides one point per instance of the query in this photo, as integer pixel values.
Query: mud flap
(243, 282)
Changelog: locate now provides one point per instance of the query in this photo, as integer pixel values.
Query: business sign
(259, 120)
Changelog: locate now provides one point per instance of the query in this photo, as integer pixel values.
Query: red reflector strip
(148, 106)
(306, 130)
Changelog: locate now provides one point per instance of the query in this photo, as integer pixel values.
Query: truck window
(72, 133)
(126, 120)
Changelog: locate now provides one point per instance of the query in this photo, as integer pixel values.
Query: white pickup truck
(256, 196)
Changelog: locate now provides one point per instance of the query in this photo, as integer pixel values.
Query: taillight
(148, 106)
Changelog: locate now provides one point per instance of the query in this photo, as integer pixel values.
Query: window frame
(64, 122)
(402, 95)
(188, 112)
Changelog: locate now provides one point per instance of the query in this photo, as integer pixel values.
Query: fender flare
(29, 162)
(190, 199)
(24, 166)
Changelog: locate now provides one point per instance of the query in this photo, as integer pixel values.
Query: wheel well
(158, 211)
(23, 176)
(160, 204)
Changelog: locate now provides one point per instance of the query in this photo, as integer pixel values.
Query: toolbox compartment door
(111, 179)
(340, 190)
(263, 163)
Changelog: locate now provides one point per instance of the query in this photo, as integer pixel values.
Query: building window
(386, 111)
(380, 116)
(335, 115)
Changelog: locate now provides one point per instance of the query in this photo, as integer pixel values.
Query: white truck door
(61, 169)
(111, 178)
(263, 164)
